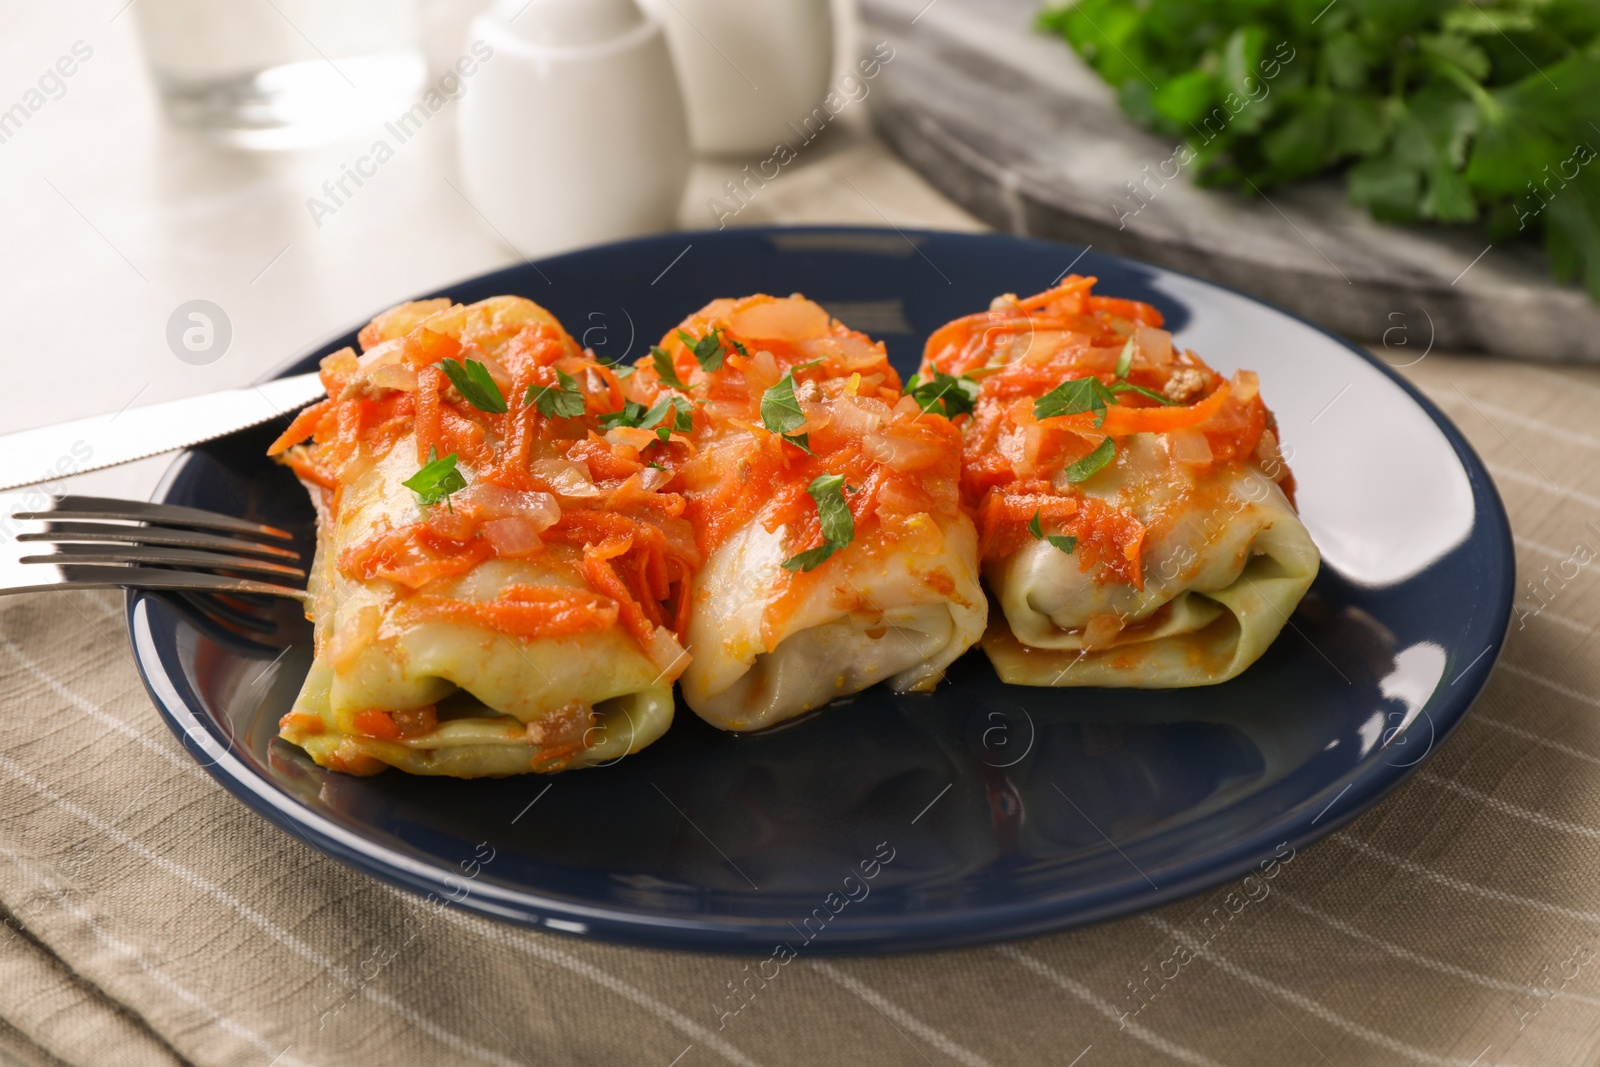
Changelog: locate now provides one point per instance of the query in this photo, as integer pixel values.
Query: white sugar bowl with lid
(574, 131)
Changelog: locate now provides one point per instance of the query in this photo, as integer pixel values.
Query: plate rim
(988, 923)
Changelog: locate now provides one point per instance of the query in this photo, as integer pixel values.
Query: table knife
(50, 453)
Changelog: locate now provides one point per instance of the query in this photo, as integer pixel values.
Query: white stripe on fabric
(1561, 381)
(1528, 735)
(122, 948)
(527, 944)
(237, 906)
(901, 1017)
(1402, 953)
(1572, 624)
(1311, 1006)
(1549, 683)
(1505, 807)
(1511, 474)
(177, 759)
(1539, 547)
(1537, 425)
(1500, 895)
(1138, 1032)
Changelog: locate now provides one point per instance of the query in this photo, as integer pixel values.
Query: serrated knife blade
(50, 453)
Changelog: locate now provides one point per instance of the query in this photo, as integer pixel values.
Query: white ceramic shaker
(574, 130)
(749, 67)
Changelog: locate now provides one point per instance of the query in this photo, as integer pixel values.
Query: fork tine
(116, 576)
(94, 507)
(71, 554)
(95, 532)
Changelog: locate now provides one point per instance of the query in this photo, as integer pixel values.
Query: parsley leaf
(1073, 398)
(780, 412)
(950, 395)
(665, 368)
(1125, 361)
(1065, 544)
(1444, 111)
(636, 414)
(1090, 465)
(838, 526)
(630, 415)
(710, 350)
(437, 479)
(473, 382)
(562, 400)
(1129, 387)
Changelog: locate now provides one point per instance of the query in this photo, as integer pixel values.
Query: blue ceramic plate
(982, 811)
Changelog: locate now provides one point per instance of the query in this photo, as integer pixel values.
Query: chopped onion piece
(667, 655)
(858, 416)
(496, 502)
(566, 478)
(1154, 345)
(514, 537)
(1191, 448)
(903, 453)
(1245, 386)
(396, 376)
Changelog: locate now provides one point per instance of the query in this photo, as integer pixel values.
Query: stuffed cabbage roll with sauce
(1135, 513)
(497, 586)
(825, 507)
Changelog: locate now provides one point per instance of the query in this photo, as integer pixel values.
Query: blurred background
(198, 191)
(131, 192)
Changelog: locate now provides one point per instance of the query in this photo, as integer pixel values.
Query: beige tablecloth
(151, 919)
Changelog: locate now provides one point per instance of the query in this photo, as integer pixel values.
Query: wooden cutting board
(1012, 125)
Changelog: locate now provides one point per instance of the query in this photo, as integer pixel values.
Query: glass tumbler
(281, 73)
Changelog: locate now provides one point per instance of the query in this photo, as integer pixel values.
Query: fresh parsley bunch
(1449, 111)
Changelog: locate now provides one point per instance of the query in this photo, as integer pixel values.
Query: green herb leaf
(636, 414)
(838, 526)
(1065, 544)
(472, 381)
(437, 479)
(1073, 398)
(780, 412)
(1129, 387)
(710, 350)
(1439, 111)
(562, 400)
(1125, 361)
(1091, 464)
(631, 414)
(945, 393)
(665, 368)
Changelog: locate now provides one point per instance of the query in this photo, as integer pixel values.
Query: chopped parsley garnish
(437, 479)
(473, 382)
(637, 415)
(1091, 464)
(1125, 361)
(562, 400)
(1089, 394)
(710, 350)
(780, 413)
(838, 526)
(665, 369)
(948, 395)
(1074, 398)
(1065, 544)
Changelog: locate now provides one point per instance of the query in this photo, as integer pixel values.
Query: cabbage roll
(1135, 512)
(497, 586)
(825, 505)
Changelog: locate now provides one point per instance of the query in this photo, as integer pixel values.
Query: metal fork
(102, 544)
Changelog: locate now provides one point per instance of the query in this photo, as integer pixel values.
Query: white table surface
(113, 218)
